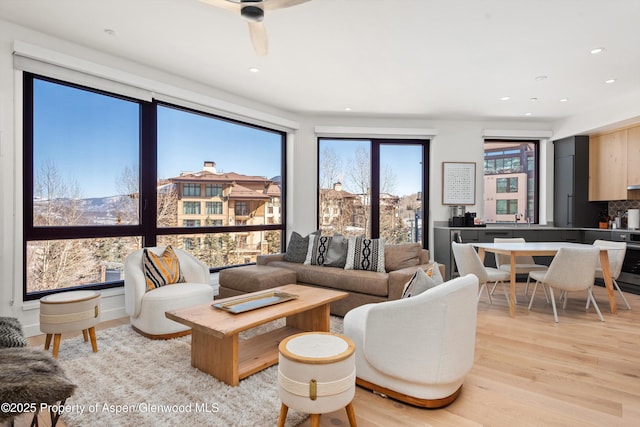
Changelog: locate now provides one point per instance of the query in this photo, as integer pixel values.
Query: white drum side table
(316, 375)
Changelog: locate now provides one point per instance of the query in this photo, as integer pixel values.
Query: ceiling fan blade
(224, 4)
(258, 34)
(281, 4)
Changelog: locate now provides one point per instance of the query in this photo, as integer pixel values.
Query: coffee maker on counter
(458, 217)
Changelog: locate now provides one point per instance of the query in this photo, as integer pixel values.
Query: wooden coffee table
(215, 345)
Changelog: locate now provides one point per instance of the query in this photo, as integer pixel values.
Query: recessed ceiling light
(564, 99)
(110, 32)
(596, 50)
(347, 108)
(528, 114)
(534, 99)
(254, 69)
(541, 78)
(505, 98)
(610, 81)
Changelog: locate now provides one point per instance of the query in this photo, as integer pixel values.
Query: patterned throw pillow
(298, 248)
(365, 254)
(161, 270)
(11, 334)
(318, 249)
(422, 281)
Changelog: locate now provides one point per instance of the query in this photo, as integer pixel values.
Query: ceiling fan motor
(252, 13)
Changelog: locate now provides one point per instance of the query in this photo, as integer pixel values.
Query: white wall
(454, 141)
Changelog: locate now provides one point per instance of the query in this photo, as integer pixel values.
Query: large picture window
(510, 181)
(105, 175)
(373, 187)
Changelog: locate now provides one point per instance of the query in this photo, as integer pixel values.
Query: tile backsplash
(622, 205)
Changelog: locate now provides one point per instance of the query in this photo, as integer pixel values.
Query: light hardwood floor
(530, 371)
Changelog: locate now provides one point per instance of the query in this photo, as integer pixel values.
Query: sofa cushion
(365, 282)
(298, 247)
(161, 270)
(252, 278)
(397, 257)
(365, 254)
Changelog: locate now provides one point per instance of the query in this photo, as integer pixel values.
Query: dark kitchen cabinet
(571, 205)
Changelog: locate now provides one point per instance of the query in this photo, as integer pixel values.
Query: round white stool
(69, 311)
(316, 375)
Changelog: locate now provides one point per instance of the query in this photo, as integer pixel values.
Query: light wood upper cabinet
(633, 156)
(608, 166)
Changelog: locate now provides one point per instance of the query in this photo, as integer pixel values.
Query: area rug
(134, 381)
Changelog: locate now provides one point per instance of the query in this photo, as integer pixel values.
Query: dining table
(514, 250)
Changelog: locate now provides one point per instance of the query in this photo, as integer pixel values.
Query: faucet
(517, 219)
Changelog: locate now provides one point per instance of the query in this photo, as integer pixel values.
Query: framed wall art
(458, 183)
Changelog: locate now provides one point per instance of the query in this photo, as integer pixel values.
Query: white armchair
(419, 349)
(146, 308)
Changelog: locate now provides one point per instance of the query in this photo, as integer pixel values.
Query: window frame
(374, 175)
(530, 168)
(147, 228)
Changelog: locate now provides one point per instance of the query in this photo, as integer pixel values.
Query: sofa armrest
(399, 278)
(266, 259)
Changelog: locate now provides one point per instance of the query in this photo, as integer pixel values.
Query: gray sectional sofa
(363, 287)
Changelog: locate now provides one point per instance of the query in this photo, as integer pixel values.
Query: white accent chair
(417, 350)
(572, 269)
(468, 262)
(616, 258)
(524, 264)
(146, 308)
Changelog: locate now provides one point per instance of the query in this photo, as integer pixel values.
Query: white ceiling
(409, 58)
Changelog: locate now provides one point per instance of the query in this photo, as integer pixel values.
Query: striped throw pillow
(161, 270)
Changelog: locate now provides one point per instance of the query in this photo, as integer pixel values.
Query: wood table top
(221, 323)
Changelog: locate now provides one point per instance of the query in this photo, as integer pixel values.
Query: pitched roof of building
(218, 177)
(239, 192)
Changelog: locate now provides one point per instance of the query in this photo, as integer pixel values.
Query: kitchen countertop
(445, 225)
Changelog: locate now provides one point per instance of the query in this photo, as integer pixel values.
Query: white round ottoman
(67, 312)
(316, 375)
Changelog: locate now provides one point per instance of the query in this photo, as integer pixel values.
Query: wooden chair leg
(315, 420)
(283, 415)
(94, 343)
(85, 335)
(56, 344)
(351, 414)
(47, 341)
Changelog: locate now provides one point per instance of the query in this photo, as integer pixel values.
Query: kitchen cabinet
(633, 156)
(591, 236)
(613, 164)
(571, 205)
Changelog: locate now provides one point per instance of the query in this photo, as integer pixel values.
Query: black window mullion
(148, 173)
(375, 189)
(424, 217)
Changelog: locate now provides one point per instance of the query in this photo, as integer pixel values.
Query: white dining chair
(468, 262)
(525, 264)
(616, 252)
(572, 269)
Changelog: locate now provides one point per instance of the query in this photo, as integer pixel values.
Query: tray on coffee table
(248, 303)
